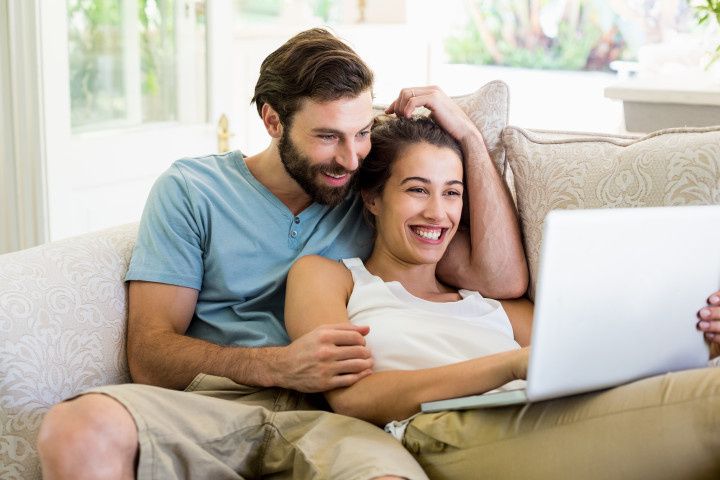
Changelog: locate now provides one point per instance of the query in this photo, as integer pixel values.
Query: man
(206, 292)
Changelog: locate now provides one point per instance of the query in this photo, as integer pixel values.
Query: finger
(352, 352)
(409, 99)
(418, 91)
(420, 97)
(355, 365)
(343, 338)
(342, 381)
(714, 299)
(346, 326)
(407, 107)
(708, 327)
(391, 108)
(709, 314)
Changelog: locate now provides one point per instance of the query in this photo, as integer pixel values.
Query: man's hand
(443, 110)
(328, 357)
(710, 323)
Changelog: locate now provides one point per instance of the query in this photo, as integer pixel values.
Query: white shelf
(651, 104)
(686, 91)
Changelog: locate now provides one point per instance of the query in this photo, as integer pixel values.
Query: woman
(431, 341)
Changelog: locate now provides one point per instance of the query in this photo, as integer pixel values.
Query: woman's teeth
(429, 233)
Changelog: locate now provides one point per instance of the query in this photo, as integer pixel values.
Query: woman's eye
(417, 190)
(453, 193)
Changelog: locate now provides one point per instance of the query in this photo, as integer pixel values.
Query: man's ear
(271, 120)
(371, 201)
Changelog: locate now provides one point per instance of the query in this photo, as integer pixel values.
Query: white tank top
(409, 333)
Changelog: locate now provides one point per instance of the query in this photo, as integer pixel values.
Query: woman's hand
(709, 323)
(520, 363)
(443, 110)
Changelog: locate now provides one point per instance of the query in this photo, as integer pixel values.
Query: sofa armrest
(63, 315)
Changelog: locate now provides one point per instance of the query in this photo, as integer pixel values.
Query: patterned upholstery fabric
(488, 109)
(678, 166)
(62, 330)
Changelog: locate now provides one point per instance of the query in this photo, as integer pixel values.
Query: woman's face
(419, 210)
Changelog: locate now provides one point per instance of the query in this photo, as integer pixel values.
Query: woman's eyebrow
(426, 181)
(417, 179)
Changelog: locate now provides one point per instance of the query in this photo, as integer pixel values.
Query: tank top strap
(360, 274)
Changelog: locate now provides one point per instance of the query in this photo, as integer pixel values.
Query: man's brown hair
(313, 64)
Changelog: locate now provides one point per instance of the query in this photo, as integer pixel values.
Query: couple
(206, 299)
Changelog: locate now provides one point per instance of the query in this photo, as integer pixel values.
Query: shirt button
(297, 219)
(293, 234)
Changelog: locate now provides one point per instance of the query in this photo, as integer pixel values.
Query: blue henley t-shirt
(208, 224)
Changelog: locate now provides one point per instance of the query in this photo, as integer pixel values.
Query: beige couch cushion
(488, 109)
(62, 330)
(557, 171)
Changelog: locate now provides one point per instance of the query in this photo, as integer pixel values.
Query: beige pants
(223, 430)
(665, 427)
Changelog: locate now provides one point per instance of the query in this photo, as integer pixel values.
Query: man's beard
(306, 175)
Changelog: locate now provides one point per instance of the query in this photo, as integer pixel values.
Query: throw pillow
(679, 166)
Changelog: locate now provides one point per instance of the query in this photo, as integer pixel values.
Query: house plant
(707, 13)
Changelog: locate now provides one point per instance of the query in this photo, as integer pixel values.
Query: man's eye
(364, 133)
(327, 137)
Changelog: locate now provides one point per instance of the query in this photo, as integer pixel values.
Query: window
(131, 60)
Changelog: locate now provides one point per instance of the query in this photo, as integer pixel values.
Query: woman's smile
(429, 234)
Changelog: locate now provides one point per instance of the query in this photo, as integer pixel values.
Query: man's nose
(348, 156)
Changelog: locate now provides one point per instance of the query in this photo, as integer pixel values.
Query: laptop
(617, 295)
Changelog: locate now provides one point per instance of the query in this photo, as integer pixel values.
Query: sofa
(63, 305)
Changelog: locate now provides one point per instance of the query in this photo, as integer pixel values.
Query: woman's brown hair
(390, 137)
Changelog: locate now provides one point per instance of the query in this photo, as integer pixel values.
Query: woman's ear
(371, 201)
(271, 120)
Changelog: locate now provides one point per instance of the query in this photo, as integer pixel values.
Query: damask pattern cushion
(566, 171)
(487, 107)
(62, 330)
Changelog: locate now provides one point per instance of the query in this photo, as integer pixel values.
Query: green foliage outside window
(511, 33)
(258, 10)
(95, 56)
(98, 62)
(709, 12)
(157, 58)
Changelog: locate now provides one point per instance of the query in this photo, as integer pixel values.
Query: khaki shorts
(218, 429)
(665, 427)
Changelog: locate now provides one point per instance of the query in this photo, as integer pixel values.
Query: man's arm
(159, 353)
(489, 257)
